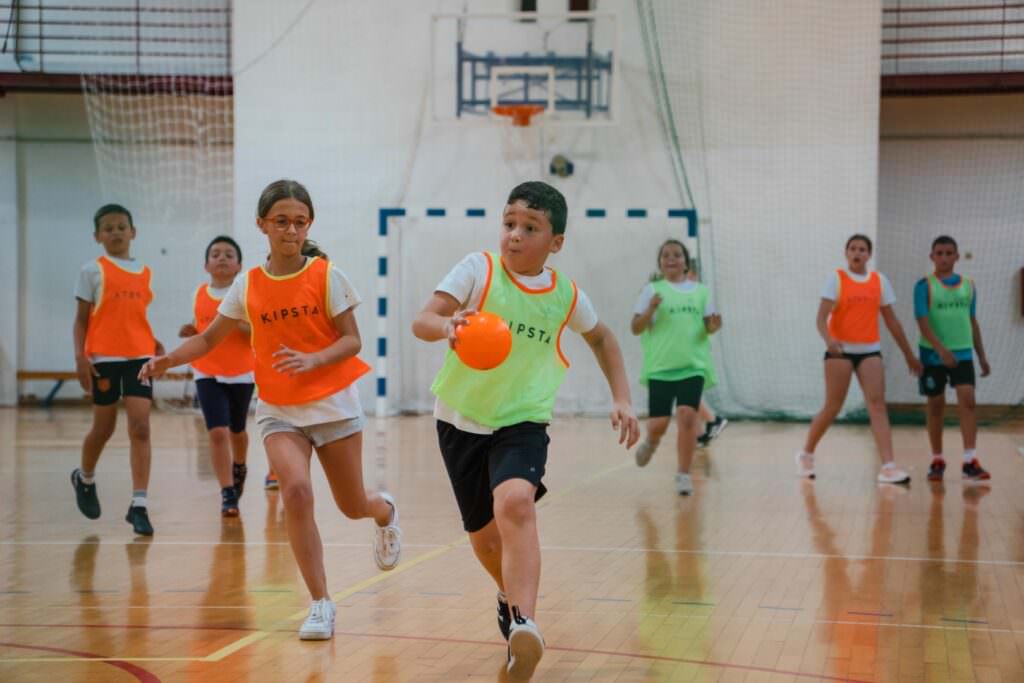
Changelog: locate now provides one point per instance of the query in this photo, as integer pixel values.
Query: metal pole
(138, 37)
(590, 65)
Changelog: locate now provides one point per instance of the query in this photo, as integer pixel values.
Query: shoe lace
(517, 617)
(391, 536)
(316, 611)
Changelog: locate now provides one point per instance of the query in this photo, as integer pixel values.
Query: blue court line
(436, 213)
(636, 213)
(384, 215)
(596, 213)
(475, 213)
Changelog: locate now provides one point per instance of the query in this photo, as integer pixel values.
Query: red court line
(612, 653)
(135, 626)
(461, 641)
(140, 674)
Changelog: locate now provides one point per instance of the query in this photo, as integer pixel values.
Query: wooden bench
(61, 376)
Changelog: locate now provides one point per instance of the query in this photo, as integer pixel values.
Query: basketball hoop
(520, 113)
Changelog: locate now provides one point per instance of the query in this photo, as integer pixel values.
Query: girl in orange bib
(224, 377)
(301, 309)
(851, 302)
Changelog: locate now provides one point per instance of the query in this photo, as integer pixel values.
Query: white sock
(969, 454)
(139, 499)
(87, 478)
(888, 465)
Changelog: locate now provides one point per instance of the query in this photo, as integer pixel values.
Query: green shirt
(677, 345)
(523, 387)
(949, 313)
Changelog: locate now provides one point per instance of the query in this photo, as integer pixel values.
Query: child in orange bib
(112, 340)
(224, 377)
(301, 310)
(851, 303)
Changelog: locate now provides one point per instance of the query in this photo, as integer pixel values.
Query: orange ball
(484, 342)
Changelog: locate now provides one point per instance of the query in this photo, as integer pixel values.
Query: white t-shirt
(343, 405)
(830, 291)
(647, 293)
(89, 289)
(466, 283)
(245, 377)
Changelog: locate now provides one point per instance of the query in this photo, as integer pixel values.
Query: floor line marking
(235, 646)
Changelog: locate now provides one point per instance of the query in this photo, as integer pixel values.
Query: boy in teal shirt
(492, 425)
(945, 305)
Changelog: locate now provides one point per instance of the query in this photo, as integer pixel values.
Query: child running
(301, 310)
(492, 426)
(113, 340)
(851, 301)
(675, 318)
(945, 305)
(224, 377)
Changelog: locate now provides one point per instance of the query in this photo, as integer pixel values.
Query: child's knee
(219, 436)
(297, 496)
(515, 506)
(138, 430)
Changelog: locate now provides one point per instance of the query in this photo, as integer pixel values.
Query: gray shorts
(318, 434)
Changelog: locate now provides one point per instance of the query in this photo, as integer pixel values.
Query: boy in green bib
(675, 318)
(944, 305)
(492, 425)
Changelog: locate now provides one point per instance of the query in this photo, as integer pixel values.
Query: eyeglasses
(281, 223)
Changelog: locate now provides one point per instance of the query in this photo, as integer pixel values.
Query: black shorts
(933, 381)
(224, 405)
(119, 378)
(855, 358)
(662, 394)
(477, 463)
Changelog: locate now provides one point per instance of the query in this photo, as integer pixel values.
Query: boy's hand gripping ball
(484, 342)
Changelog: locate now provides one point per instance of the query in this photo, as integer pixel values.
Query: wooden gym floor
(758, 577)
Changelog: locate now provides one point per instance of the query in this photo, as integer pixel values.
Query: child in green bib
(944, 305)
(675, 319)
(492, 425)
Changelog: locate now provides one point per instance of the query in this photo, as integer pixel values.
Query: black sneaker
(973, 471)
(229, 502)
(238, 473)
(936, 469)
(705, 438)
(85, 495)
(715, 428)
(504, 617)
(138, 517)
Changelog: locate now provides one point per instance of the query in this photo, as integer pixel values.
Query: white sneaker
(684, 484)
(804, 465)
(890, 474)
(387, 544)
(643, 453)
(525, 647)
(319, 625)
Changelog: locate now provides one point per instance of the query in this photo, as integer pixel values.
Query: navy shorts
(119, 378)
(662, 395)
(933, 381)
(855, 358)
(224, 405)
(477, 463)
